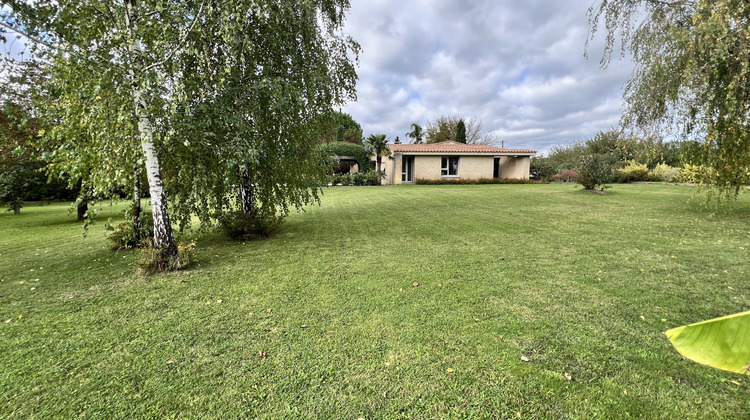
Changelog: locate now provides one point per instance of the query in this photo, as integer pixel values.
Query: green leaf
(722, 343)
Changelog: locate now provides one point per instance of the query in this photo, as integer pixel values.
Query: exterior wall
(392, 169)
(516, 167)
(469, 167)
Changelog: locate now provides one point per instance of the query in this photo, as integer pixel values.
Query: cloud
(517, 66)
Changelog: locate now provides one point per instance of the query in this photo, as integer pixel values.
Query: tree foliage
(377, 144)
(416, 134)
(444, 128)
(214, 101)
(341, 148)
(461, 131)
(692, 75)
(337, 126)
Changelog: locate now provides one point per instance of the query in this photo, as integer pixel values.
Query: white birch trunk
(163, 235)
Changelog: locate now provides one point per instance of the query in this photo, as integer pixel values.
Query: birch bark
(163, 234)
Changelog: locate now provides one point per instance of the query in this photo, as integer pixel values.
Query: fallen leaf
(524, 358)
(643, 317)
(7, 321)
(219, 301)
(449, 370)
(738, 383)
(21, 282)
(568, 376)
(20, 316)
(664, 320)
(251, 315)
(501, 336)
(262, 354)
(268, 311)
(303, 326)
(415, 284)
(170, 361)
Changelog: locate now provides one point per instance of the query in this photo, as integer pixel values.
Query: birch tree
(258, 70)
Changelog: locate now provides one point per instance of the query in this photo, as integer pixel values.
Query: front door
(407, 168)
(497, 170)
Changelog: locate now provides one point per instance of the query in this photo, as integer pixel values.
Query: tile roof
(454, 147)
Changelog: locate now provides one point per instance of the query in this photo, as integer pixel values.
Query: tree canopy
(202, 95)
(444, 128)
(692, 75)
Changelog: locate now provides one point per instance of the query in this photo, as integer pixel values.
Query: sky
(517, 66)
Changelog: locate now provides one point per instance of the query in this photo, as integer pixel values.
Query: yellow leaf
(449, 370)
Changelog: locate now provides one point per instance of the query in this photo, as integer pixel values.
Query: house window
(449, 166)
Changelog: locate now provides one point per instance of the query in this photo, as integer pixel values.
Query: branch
(29, 36)
(182, 40)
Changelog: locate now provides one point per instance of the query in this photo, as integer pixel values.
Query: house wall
(469, 167)
(515, 167)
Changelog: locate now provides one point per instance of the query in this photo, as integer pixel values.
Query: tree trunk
(16, 210)
(82, 209)
(136, 217)
(379, 160)
(247, 198)
(163, 235)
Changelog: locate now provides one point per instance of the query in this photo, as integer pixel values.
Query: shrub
(124, 235)
(566, 176)
(242, 226)
(633, 172)
(478, 181)
(359, 178)
(594, 171)
(151, 261)
(696, 174)
(665, 173)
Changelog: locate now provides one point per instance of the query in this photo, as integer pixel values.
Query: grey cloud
(518, 67)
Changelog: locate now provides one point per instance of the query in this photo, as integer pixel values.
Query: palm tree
(377, 144)
(416, 133)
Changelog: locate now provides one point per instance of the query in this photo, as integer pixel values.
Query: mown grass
(581, 285)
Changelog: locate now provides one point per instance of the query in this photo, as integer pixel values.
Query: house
(453, 160)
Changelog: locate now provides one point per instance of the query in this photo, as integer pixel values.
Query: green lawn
(581, 285)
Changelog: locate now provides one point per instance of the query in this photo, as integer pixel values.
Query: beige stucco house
(452, 160)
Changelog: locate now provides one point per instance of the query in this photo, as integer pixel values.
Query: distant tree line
(613, 156)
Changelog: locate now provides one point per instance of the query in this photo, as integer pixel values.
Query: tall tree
(377, 144)
(691, 77)
(444, 128)
(164, 63)
(416, 134)
(461, 131)
(338, 126)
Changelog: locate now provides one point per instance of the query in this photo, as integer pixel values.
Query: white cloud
(517, 66)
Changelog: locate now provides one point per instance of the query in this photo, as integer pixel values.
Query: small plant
(633, 172)
(665, 173)
(125, 236)
(242, 226)
(151, 261)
